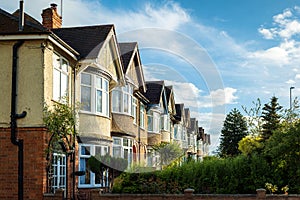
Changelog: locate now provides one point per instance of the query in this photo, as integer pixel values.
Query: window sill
(94, 114)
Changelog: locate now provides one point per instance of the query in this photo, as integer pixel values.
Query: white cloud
(290, 82)
(297, 76)
(267, 34)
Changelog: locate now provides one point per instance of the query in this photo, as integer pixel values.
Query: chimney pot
(53, 5)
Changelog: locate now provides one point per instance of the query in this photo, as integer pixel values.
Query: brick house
(129, 124)
(37, 68)
(120, 114)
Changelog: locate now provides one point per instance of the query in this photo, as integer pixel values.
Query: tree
(271, 118)
(234, 129)
(168, 152)
(254, 118)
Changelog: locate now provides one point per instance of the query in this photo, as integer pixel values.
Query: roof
(179, 111)
(87, 40)
(9, 23)
(154, 91)
(127, 52)
(168, 92)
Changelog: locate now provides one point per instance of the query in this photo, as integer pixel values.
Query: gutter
(14, 116)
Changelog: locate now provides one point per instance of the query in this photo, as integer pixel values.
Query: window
(122, 148)
(90, 179)
(134, 109)
(94, 94)
(165, 122)
(122, 99)
(58, 179)
(142, 116)
(153, 121)
(60, 77)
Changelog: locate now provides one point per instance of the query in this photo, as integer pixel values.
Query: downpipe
(14, 116)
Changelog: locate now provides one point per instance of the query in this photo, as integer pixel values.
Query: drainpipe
(14, 116)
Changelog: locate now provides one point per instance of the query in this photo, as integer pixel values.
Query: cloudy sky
(218, 54)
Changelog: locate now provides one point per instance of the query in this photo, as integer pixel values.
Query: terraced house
(120, 113)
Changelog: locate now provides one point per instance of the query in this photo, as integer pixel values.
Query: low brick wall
(96, 194)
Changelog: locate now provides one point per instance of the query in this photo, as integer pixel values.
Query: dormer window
(94, 94)
(60, 77)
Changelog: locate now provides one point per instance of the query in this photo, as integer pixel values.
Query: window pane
(98, 150)
(126, 103)
(126, 154)
(105, 85)
(64, 65)
(56, 84)
(86, 79)
(86, 98)
(84, 167)
(117, 141)
(117, 152)
(116, 95)
(98, 83)
(56, 61)
(85, 150)
(64, 85)
(125, 142)
(99, 101)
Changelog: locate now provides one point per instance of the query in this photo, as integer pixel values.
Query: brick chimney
(51, 19)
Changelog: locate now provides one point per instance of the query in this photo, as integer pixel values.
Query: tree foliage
(234, 129)
(168, 152)
(254, 119)
(60, 121)
(271, 118)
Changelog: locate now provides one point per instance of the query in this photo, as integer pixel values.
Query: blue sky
(218, 54)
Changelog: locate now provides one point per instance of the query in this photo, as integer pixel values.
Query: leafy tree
(60, 120)
(234, 129)
(271, 118)
(168, 152)
(292, 114)
(250, 144)
(254, 119)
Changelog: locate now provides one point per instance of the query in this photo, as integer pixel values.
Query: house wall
(165, 136)
(29, 85)
(34, 166)
(94, 126)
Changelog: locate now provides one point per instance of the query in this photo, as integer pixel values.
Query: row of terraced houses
(121, 113)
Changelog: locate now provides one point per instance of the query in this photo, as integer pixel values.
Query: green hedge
(239, 175)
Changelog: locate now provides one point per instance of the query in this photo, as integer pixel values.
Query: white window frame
(153, 121)
(142, 116)
(92, 177)
(165, 122)
(59, 166)
(125, 94)
(103, 87)
(134, 109)
(60, 72)
(124, 144)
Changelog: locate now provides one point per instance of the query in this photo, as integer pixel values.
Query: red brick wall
(35, 142)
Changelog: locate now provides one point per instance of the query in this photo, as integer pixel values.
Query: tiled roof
(154, 91)
(9, 23)
(179, 111)
(127, 50)
(87, 40)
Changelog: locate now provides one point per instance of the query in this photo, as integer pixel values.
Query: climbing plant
(60, 121)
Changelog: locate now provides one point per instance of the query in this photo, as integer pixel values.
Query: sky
(217, 54)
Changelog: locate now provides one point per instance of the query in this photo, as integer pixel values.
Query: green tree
(271, 118)
(168, 152)
(254, 119)
(234, 129)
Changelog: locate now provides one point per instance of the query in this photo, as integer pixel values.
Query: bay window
(165, 122)
(90, 179)
(94, 94)
(122, 148)
(122, 99)
(60, 77)
(153, 121)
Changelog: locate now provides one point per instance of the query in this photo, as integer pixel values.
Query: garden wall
(188, 195)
